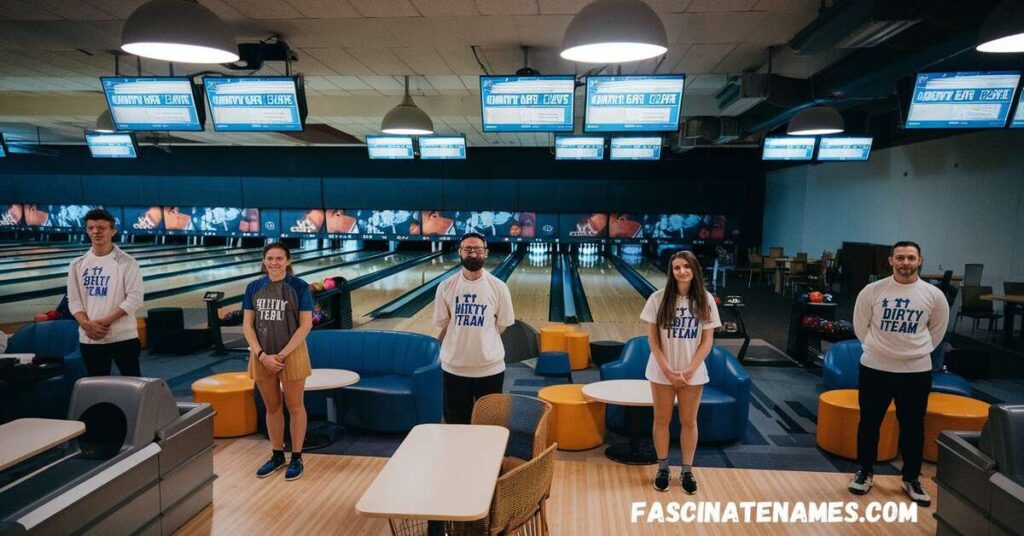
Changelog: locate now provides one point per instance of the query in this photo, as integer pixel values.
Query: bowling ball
(329, 283)
(52, 315)
(816, 297)
(41, 317)
(828, 298)
(803, 298)
(809, 323)
(317, 287)
(317, 318)
(718, 300)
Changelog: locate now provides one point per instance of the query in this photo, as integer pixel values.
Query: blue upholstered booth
(724, 404)
(400, 378)
(842, 370)
(48, 398)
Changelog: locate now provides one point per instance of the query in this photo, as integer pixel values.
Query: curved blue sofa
(842, 370)
(48, 398)
(400, 378)
(724, 404)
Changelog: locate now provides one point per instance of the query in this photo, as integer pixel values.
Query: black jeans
(97, 357)
(877, 390)
(460, 393)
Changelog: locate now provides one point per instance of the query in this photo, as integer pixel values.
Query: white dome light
(180, 31)
(614, 31)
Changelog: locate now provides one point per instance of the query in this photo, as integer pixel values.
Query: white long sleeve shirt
(899, 325)
(472, 312)
(97, 285)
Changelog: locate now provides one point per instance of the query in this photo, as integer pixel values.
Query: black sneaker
(269, 468)
(860, 484)
(661, 480)
(688, 482)
(294, 470)
(917, 493)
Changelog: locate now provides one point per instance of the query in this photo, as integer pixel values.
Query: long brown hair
(697, 294)
(280, 246)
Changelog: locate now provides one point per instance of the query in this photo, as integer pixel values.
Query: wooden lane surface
(614, 303)
(48, 254)
(372, 296)
(59, 266)
(587, 497)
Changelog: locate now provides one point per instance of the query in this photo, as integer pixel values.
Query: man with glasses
(472, 308)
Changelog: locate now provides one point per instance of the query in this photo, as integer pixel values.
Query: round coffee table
(634, 394)
(327, 380)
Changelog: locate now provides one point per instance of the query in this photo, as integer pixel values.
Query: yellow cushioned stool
(950, 412)
(552, 338)
(838, 417)
(575, 422)
(231, 396)
(141, 323)
(577, 344)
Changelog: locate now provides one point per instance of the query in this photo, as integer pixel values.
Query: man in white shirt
(472, 308)
(899, 321)
(104, 291)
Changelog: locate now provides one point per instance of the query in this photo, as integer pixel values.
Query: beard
(472, 263)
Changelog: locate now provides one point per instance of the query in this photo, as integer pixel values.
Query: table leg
(325, 434)
(435, 528)
(634, 453)
(1009, 320)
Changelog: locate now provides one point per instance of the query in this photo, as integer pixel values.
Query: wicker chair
(519, 503)
(526, 419)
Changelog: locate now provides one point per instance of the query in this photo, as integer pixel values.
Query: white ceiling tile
(508, 7)
(119, 8)
(224, 10)
(326, 33)
(324, 9)
(264, 9)
(73, 9)
(26, 10)
(385, 8)
(542, 31)
(489, 31)
(472, 83)
(720, 5)
(446, 83)
(422, 60)
(308, 64)
(387, 85)
(338, 60)
(502, 60)
(380, 60)
(779, 27)
(455, 8)
(669, 6)
(562, 7)
(460, 59)
(348, 82)
(712, 27)
(317, 83)
(426, 32)
(787, 5)
(702, 58)
(742, 58)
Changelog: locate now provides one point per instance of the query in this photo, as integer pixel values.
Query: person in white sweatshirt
(104, 291)
(472, 308)
(899, 321)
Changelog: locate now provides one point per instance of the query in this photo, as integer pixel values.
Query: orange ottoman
(950, 412)
(575, 422)
(552, 338)
(141, 324)
(231, 395)
(838, 417)
(577, 344)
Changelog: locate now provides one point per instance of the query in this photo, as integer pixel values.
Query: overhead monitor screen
(844, 148)
(633, 103)
(111, 144)
(527, 103)
(625, 226)
(254, 104)
(788, 148)
(157, 103)
(389, 147)
(962, 99)
(12, 215)
(442, 147)
(579, 148)
(636, 148)
(302, 223)
(583, 226)
(1018, 116)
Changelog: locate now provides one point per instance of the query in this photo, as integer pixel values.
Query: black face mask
(472, 263)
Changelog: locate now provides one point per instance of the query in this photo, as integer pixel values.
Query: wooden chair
(801, 256)
(756, 262)
(975, 308)
(775, 252)
(519, 504)
(770, 267)
(797, 274)
(526, 419)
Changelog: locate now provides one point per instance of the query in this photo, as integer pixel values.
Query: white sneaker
(860, 484)
(917, 493)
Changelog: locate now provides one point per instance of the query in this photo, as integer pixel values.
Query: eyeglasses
(473, 249)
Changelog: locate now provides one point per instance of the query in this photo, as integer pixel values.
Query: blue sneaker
(294, 470)
(267, 469)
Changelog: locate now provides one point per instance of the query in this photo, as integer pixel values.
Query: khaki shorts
(296, 367)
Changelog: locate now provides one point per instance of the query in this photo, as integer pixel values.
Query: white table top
(441, 472)
(620, 392)
(23, 358)
(326, 378)
(23, 438)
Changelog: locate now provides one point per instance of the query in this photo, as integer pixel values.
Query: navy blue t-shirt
(276, 305)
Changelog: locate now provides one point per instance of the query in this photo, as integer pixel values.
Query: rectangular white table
(440, 472)
(24, 438)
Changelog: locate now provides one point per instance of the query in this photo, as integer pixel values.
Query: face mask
(472, 263)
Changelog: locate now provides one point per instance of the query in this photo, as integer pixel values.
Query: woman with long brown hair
(681, 320)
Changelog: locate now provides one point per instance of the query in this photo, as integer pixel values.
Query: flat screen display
(788, 148)
(397, 224)
(648, 148)
(442, 147)
(490, 223)
(641, 103)
(437, 223)
(625, 226)
(844, 148)
(143, 220)
(580, 227)
(156, 103)
(111, 145)
(530, 226)
(962, 99)
(579, 148)
(685, 227)
(527, 103)
(212, 221)
(270, 222)
(390, 147)
(302, 223)
(12, 216)
(55, 217)
(1018, 116)
(254, 104)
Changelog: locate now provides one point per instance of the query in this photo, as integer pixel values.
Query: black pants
(460, 393)
(97, 357)
(877, 390)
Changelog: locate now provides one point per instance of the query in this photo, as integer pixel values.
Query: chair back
(797, 268)
(802, 256)
(370, 352)
(770, 264)
(520, 494)
(947, 279)
(972, 301)
(756, 261)
(775, 252)
(972, 275)
(1013, 288)
(525, 417)
(53, 338)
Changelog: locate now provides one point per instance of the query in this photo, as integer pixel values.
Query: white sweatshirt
(98, 285)
(899, 325)
(472, 312)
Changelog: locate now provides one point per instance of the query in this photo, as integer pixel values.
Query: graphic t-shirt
(97, 285)
(276, 306)
(472, 311)
(899, 325)
(681, 339)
